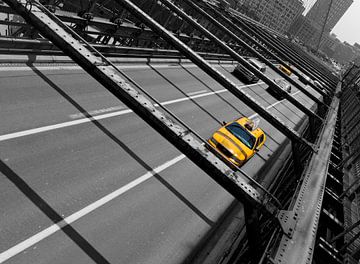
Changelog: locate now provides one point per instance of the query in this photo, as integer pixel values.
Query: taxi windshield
(240, 133)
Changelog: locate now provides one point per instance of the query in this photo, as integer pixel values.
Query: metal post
(264, 36)
(298, 245)
(205, 66)
(113, 80)
(238, 58)
(224, 29)
(258, 35)
(316, 67)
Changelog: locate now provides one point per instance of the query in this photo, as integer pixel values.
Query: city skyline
(344, 29)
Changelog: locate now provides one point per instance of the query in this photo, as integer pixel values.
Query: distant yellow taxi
(285, 69)
(238, 141)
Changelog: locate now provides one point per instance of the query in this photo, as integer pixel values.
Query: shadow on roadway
(213, 90)
(52, 214)
(181, 91)
(229, 104)
(38, 201)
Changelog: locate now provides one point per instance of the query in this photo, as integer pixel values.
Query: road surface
(109, 189)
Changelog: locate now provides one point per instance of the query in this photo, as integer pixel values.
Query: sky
(348, 28)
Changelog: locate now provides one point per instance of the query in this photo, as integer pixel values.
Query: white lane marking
(197, 92)
(95, 112)
(113, 108)
(99, 117)
(61, 125)
(11, 252)
(274, 104)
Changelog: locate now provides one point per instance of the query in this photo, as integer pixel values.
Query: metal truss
(192, 33)
(235, 55)
(287, 53)
(301, 221)
(196, 59)
(260, 51)
(168, 125)
(347, 240)
(98, 30)
(45, 47)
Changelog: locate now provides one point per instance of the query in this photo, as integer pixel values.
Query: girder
(192, 33)
(297, 245)
(45, 47)
(286, 53)
(237, 57)
(259, 47)
(196, 59)
(236, 182)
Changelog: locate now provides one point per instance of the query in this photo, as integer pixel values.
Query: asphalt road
(110, 189)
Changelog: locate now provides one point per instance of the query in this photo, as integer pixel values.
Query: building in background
(302, 29)
(319, 21)
(345, 53)
(319, 10)
(276, 14)
(330, 44)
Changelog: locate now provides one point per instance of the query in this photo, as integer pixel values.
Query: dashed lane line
(13, 251)
(114, 108)
(100, 117)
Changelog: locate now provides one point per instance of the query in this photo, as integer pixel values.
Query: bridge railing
(258, 201)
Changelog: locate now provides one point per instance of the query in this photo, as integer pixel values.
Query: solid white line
(197, 92)
(96, 112)
(99, 117)
(11, 252)
(61, 125)
(90, 208)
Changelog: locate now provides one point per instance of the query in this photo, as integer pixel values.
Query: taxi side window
(260, 140)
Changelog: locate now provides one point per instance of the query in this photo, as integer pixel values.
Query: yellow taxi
(238, 141)
(285, 69)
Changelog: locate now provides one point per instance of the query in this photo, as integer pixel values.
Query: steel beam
(304, 60)
(163, 122)
(264, 37)
(205, 66)
(257, 44)
(298, 246)
(125, 29)
(300, 62)
(239, 58)
(45, 47)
